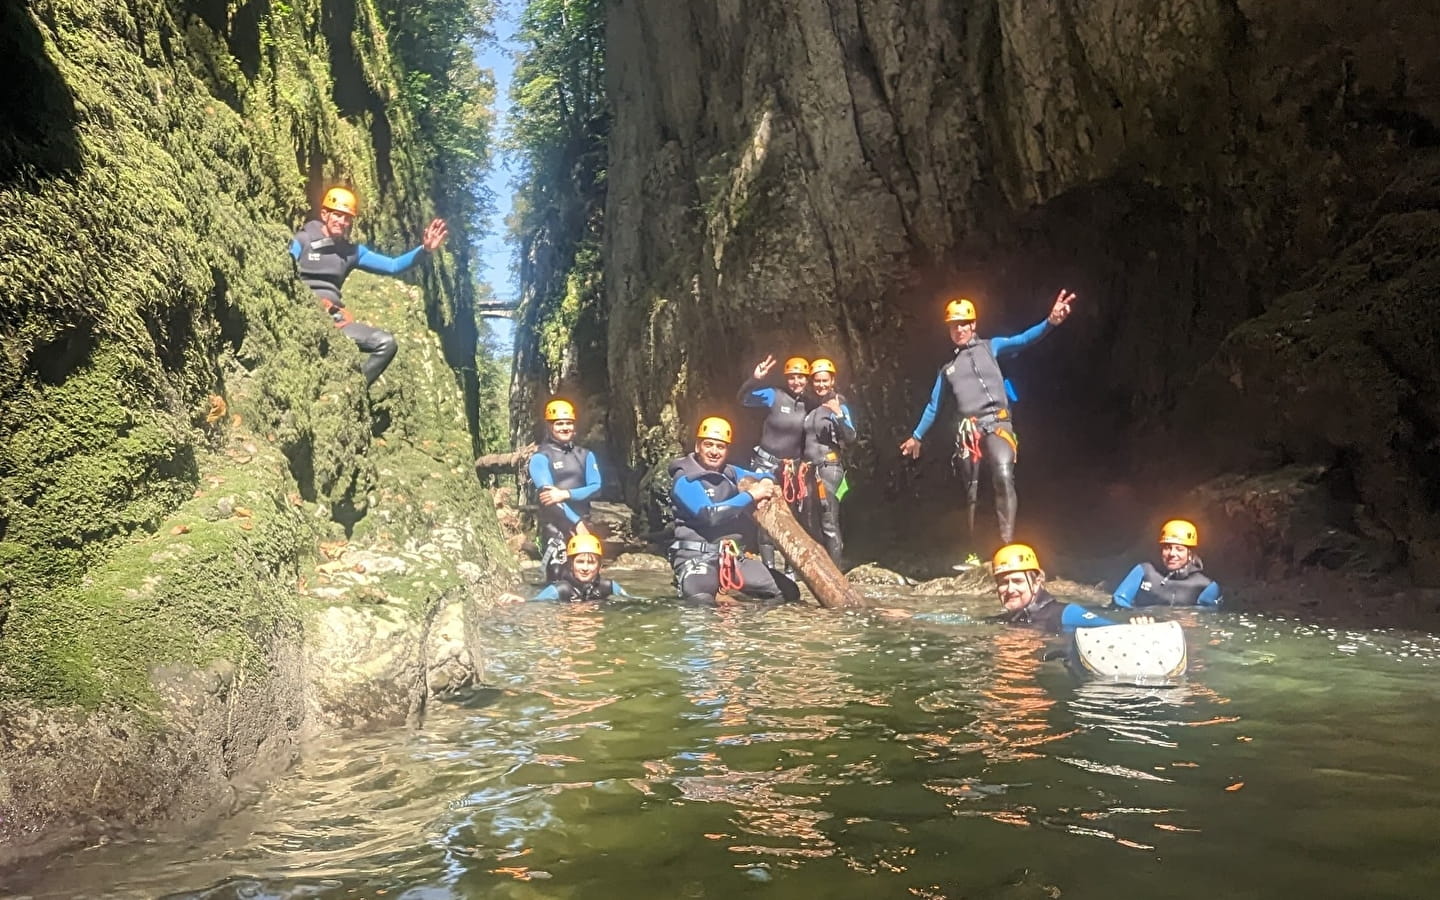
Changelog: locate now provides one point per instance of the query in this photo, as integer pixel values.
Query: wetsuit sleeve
(1211, 596)
(932, 409)
(690, 494)
(617, 591)
(592, 483)
(295, 249)
(547, 594)
(845, 425)
(1079, 617)
(1004, 346)
(1124, 596)
(368, 260)
(540, 475)
(753, 393)
(741, 473)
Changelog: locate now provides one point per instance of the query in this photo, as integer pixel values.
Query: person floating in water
(1020, 586)
(1181, 581)
(325, 257)
(782, 436)
(579, 580)
(986, 433)
(715, 529)
(829, 426)
(566, 476)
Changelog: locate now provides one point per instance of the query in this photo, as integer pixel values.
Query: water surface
(649, 751)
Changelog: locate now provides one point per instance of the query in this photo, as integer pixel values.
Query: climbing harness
(968, 440)
(730, 577)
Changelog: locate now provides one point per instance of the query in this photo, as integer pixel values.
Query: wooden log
(807, 557)
(504, 463)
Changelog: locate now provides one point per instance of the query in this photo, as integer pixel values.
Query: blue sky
(494, 255)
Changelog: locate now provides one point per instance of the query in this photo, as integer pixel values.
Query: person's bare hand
(763, 489)
(763, 367)
(833, 404)
(1143, 620)
(508, 597)
(910, 448)
(1061, 310)
(435, 234)
(550, 495)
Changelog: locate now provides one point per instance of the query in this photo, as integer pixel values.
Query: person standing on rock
(715, 530)
(1181, 582)
(782, 436)
(325, 257)
(565, 476)
(829, 426)
(986, 434)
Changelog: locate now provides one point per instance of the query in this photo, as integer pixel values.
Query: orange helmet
(822, 365)
(960, 310)
(339, 199)
(559, 410)
(1179, 531)
(714, 428)
(1014, 558)
(797, 365)
(584, 543)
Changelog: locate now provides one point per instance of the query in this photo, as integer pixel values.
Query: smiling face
(795, 382)
(962, 333)
(563, 430)
(822, 384)
(1174, 556)
(1014, 590)
(711, 453)
(585, 567)
(336, 224)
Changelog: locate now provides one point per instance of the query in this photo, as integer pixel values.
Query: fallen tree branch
(503, 463)
(806, 556)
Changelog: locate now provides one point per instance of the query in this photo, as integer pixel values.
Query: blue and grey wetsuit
(1147, 585)
(572, 468)
(324, 263)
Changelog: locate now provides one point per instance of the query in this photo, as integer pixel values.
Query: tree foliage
(559, 127)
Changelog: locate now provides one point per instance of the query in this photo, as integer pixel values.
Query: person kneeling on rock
(1020, 586)
(715, 530)
(1180, 581)
(580, 580)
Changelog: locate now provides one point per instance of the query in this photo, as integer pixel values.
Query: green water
(655, 752)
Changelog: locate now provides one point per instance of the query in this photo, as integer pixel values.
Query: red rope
(730, 577)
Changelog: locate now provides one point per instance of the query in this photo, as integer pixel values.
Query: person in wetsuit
(565, 476)
(829, 426)
(1020, 586)
(715, 530)
(782, 436)
(986, 434)
(1180, 579)
(579, 580)
(325, 257)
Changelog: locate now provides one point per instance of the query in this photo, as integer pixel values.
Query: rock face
(200, 500)
(817, 176)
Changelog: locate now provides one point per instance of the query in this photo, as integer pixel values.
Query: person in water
(715, 529)
(828, 427)
(565, 476)
(782, 435)
(1180, 580)
(579, 580)
(986, 433)
(1020, 586)
(325, 257)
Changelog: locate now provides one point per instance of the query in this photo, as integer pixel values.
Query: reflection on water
(649, 751)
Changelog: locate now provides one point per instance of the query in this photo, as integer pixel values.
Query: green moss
(146, 271)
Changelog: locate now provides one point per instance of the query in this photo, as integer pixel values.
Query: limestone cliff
(818, 175)
(182, 432)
